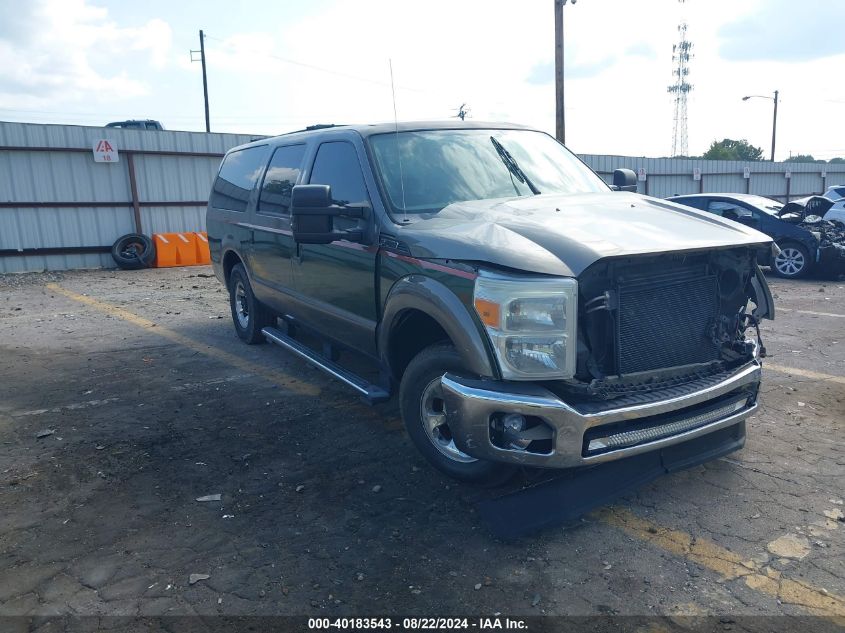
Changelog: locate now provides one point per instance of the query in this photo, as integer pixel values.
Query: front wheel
(424, 413)
(248, 313)
(792, 262)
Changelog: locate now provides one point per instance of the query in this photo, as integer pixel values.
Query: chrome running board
(371, 393)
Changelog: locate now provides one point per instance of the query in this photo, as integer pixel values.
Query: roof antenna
(398, 151)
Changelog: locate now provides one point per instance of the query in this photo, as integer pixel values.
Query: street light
(774, 117)
(560, 121)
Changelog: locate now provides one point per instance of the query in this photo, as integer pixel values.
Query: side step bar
(371, 393)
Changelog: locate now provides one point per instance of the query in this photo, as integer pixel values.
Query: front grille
(666, 323)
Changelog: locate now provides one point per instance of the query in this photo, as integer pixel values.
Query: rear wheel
(424, 413)
(792, 262)
(248, 314)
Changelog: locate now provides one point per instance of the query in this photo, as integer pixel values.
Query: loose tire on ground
(793, 261)
(422, 409)
(133, 251)
(248, 314)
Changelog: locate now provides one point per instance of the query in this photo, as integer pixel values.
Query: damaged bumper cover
(831, 258)
(589, 434)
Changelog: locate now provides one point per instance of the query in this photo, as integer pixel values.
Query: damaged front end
(662, 358)
(661, 321)
(830, 258)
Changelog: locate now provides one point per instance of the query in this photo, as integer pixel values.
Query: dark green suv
(526, 313)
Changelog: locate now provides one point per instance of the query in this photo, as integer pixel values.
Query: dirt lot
(148, 402)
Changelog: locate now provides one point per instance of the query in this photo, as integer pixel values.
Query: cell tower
(681, 55)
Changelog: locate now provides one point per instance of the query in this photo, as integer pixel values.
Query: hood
(564, 234)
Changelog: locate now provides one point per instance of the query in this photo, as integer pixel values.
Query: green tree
(803, 158)
(837, 160)
(729, 149)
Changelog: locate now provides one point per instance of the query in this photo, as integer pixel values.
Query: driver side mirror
(624, 180)
(313, 213)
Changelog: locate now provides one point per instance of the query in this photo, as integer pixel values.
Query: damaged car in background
(809, 236)
(524, 312)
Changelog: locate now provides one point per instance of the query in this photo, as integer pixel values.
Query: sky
(277, 66)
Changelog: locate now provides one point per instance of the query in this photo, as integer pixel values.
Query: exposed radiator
(666, 322)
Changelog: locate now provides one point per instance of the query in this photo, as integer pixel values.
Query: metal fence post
(133, 188)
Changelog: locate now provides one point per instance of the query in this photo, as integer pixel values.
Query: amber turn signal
(488, 311)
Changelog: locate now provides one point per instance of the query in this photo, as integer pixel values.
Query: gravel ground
(147, 402)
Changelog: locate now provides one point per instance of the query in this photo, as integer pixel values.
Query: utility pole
(560, 117)
(774, 117)
(774, 125)
(201, 51)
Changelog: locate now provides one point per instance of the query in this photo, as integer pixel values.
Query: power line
(313, 67)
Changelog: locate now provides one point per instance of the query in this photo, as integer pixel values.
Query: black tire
(133, 251)
(248, 314)
(417, 385)
(793, 262)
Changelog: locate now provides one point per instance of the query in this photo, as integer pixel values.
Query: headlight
(531, 323)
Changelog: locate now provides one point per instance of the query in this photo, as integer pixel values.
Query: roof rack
(319, 126)
(311, 128)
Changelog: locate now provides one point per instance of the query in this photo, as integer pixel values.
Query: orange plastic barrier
(203, 256)
(175, 249)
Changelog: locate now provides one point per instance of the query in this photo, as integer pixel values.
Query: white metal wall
(46, 172)
(674, 176)
(49, 173)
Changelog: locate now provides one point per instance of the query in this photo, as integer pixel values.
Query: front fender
(418, 292)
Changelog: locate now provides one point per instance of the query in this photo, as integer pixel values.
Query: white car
(835, 193)
(837, 211)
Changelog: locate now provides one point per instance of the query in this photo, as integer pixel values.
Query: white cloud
(62, 51)
(494, 55)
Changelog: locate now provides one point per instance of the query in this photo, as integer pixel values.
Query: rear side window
(238, 174)
(337, 165)
(284, 169)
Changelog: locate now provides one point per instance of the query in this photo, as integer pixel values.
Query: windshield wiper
(513, 167)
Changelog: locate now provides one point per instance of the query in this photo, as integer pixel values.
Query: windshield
(439, 167)
(772, 207)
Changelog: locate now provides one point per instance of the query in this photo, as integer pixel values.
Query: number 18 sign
(105, 151)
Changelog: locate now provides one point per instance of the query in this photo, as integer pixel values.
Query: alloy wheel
(241, 305)
(790, 261)
(433, 413)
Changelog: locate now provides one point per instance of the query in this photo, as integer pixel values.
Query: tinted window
(281, 176)
(238, 174)
(729, 210)
(337, 165)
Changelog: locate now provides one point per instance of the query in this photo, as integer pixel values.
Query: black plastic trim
(418, 292)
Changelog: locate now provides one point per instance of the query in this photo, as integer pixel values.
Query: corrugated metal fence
(674, 176)
(61, 210)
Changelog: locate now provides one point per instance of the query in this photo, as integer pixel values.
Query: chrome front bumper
(471, 404)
